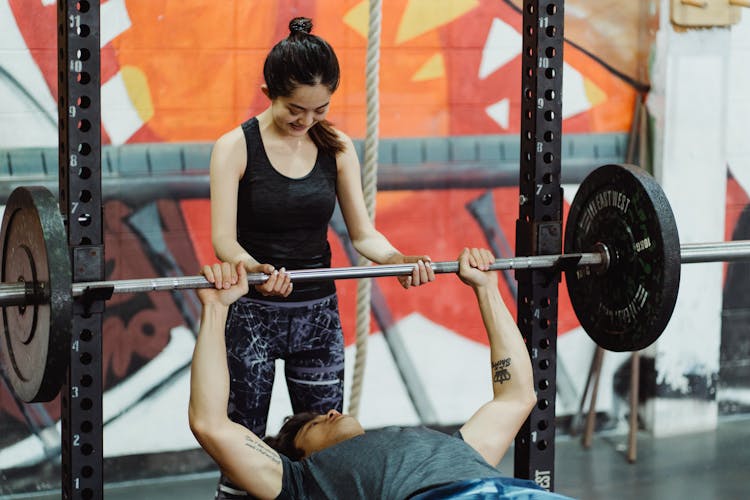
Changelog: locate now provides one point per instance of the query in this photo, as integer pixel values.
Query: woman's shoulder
(230, 150)
(341, 135)
(232, 138)
(344, 139)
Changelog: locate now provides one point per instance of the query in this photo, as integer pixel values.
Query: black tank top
(284, 221)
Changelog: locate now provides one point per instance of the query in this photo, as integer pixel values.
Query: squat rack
(538, 232)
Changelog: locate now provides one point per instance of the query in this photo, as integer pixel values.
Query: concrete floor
(706, 466)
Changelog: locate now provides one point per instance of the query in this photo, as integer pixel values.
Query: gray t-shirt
(392, 463)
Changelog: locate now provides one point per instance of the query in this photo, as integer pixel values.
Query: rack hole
(85, 220)
(84, 125)
(84, 172)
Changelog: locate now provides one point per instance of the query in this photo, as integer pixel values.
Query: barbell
(622, 259)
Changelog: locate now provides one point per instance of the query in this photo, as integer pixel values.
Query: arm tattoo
(260, 448)
(500, 371)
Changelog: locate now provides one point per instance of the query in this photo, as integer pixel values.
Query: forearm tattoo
(500, 371)
(260, 448)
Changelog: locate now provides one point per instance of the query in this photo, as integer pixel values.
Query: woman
(274, 184)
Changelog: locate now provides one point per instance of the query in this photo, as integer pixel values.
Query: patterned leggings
(307, 336)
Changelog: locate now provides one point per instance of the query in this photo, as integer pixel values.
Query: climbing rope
(369, 187)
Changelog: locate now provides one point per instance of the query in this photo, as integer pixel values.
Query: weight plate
(36, 337)
(628, 306)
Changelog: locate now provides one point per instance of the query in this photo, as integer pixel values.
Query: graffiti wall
(184, 72)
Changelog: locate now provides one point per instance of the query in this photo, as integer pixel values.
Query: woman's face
(295, 114)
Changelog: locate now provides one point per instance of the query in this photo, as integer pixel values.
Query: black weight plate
(627, 307)
(36, 337)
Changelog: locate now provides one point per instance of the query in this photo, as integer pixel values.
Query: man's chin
(349, 425)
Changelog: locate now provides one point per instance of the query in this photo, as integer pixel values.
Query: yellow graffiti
(432, 69)
(422, 16)
(594, 94)
(358, 18)
(137, 87)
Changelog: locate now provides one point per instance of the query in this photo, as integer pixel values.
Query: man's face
(326, 430)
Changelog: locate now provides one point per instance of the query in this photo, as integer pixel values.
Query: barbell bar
(24, 293)
(689, 253)
(621, 259)
(27, 293)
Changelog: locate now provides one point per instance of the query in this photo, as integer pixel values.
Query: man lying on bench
(331, 455)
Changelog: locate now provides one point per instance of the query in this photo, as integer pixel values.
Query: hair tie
(300, 24)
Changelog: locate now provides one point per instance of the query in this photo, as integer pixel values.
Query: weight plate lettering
(627, 307)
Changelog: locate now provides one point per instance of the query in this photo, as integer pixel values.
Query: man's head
(305, 433)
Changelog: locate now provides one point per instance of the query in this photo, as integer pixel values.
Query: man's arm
(492, 428)
(241, 455)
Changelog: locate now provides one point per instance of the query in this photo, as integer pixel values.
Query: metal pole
(15, 294)
(722, 251)
(27, 293)
(80, 189)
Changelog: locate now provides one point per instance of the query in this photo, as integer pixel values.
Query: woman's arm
(367, 240)
(228, 162)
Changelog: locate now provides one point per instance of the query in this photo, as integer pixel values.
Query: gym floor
(705, 466)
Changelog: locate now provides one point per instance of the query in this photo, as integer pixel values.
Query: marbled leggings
(307, 336)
